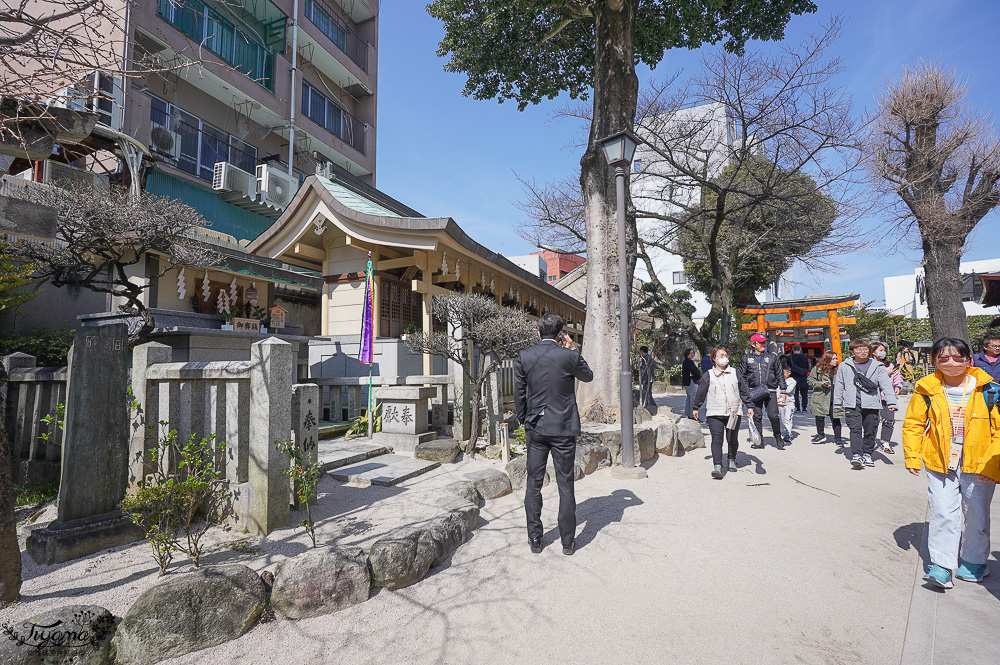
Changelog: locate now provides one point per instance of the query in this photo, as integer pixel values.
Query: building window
(201, 144)
(235, 46)
(679, 277)
(637, 165)
(553, 278)
(331, 117)
(399, 307)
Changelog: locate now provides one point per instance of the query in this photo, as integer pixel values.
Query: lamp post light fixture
(619, 149)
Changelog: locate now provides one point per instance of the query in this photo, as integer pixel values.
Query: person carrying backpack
(858, 391)
(761, 372)
(952, 429)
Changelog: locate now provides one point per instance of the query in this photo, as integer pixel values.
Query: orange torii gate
(800, 321)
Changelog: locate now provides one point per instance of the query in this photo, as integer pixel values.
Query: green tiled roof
(355, 201)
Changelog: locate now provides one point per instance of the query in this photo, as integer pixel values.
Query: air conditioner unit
(229, 178)
(276, 187)
(164, 142)
(60, 174)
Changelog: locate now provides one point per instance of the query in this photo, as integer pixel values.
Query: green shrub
(305, 477)
(359, 426)
(183, 486)
(32, 494)
(48, 346)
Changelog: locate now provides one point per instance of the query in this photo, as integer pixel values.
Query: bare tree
(475, 320)
(744, 168)
(103, 232)
(50, 52)
(942, 161)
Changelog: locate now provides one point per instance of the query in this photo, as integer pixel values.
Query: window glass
(187, 126)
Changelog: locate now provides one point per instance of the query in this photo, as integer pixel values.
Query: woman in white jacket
(723, 392)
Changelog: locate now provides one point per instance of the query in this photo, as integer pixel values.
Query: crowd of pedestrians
(951, 429)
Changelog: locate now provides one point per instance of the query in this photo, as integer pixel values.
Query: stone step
(384, 470)
(335, 454)
(328, 430)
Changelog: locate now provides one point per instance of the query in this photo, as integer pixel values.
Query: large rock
(447, 532)
(592, 457)
(320, 582)
(405, 555)
(517, 471)
(490, 483)
(441, 450)
(689, 434)
(666, 437)
(189, 613)
(641, 414)
(401, 558)
(456, 504)
(466, 490)
(645, 441)
(613, 442)
(69, 635)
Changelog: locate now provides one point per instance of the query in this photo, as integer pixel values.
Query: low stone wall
(31, 395)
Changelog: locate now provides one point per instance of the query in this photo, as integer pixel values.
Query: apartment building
(559, 265)
(249, 97)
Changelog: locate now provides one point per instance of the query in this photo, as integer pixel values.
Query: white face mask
(880, 354)
(722, 361)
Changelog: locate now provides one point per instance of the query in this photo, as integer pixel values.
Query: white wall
(652, 181)
(901, 291)
(534, 264)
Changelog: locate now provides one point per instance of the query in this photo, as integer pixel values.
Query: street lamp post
(618, 150)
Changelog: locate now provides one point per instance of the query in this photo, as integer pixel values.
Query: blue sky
(447, 155)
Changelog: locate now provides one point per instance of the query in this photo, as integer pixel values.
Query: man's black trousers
(863, 424)
(801, 393)
(769, 404)
(563, 449)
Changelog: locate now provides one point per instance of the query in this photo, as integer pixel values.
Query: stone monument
(404, 417)
(94, 473)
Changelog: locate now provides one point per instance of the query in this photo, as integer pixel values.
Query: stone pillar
(95, 438)
(18, 412)
(493, 401)
(305, 424)
(404, 417)
(460, 384)
(140, 441)
(270, 420)
(95, 461)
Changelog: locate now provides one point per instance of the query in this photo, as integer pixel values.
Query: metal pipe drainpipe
(295, 68)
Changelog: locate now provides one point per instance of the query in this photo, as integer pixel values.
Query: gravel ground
(755, 568)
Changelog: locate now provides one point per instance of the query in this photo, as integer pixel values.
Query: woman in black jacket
(690, 376)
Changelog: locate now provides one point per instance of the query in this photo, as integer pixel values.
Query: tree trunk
(10, 551)
(943, 283)
(616, 89)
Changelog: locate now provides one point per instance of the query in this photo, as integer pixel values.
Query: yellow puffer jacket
(932, 444)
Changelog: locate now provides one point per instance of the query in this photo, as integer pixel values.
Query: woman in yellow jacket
(951, 430)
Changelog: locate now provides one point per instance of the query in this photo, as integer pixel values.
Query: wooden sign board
(246, 325)
(277, 317)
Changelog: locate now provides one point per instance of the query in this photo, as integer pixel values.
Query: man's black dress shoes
(568, 549)
(536, 545)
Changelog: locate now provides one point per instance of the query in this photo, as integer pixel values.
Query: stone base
(65, 541)
(402, 443)
(35, 471)
(623, 473)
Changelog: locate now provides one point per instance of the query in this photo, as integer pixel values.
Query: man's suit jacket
(544, 394)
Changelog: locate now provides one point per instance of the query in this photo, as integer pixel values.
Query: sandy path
(755, 568)
(674, 568)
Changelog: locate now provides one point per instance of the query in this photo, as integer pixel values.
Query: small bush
(31, 494)
(183, 487)
(48, 346)
(305, 477)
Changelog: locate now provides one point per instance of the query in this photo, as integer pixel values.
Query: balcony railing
(339, 31)
(207, 27)
(201, 148)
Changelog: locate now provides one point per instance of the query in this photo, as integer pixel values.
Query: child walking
(786, 405)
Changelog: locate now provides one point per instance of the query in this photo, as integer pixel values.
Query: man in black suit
(544, 396)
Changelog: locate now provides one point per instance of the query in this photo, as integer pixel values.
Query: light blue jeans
(951, 497)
